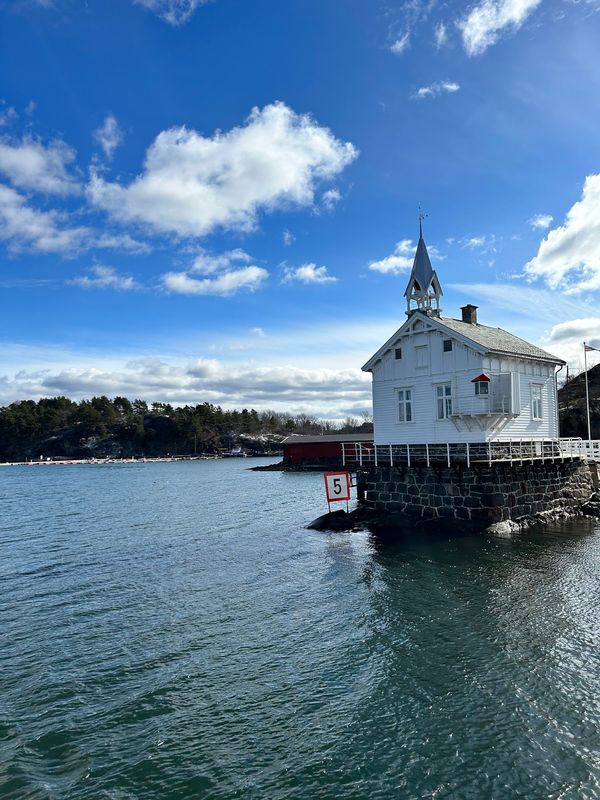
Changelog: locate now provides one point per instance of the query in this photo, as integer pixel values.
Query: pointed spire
(422, 271)
(423, 285)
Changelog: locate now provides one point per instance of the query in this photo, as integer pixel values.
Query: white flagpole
(587, 393)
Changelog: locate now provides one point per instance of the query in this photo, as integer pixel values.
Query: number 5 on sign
(337, 486)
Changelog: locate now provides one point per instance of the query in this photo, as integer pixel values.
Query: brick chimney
(469, 314)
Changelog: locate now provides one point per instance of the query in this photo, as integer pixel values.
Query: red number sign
(337, 486)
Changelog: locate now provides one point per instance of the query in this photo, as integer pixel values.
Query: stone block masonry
(483, 496)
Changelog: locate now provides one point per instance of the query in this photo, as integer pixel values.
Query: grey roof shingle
(497, 340)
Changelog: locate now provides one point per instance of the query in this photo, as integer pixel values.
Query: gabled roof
(499, 341)
(487, 340)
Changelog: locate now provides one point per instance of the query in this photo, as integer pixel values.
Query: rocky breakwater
(501, 498)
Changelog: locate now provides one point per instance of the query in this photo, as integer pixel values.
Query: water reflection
(485, 659)
(173, 632)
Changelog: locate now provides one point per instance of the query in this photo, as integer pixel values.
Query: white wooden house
(447, 380)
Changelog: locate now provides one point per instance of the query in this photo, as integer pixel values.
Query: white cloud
(105, 278)
(485, 22)
(113, 241)
(29, 229)
(586, 329)
(226, 275)
(109, 135)
(474, 242)
(566, 340)
(175, 12)
(7, 115)
(541, 307)
(207, 263)
(288, 238)
(399, 261)
(308, 273)
(325, 392)
(541, 221)
(258, 332)
(251, 370)
(485, 243)
(539, 315)
(437, 88)
(331, 198)
(314, 345)
(30, 165)
(223, 285)
(192, 184)
(570, 254)
(35, 168)
(441, 35)
(400, 45)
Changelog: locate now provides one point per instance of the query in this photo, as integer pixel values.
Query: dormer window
(447, 345)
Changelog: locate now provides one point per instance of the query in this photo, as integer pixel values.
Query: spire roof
(423, 288)
(422, 272)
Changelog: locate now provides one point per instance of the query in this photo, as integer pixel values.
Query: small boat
(235, 452)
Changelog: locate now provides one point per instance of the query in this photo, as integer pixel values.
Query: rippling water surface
(172, 631)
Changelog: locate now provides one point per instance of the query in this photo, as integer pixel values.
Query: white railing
(511, 451)
(482, 406)
(587, 448)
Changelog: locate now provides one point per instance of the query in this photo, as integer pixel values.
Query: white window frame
(450, 349)
(404, 403)
(535, 388)
(478, 387)
(446, 399)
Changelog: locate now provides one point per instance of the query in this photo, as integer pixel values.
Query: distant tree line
(100, 427)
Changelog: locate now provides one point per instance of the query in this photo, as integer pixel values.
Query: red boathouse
(320, 451)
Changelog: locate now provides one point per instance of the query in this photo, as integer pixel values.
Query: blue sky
(219, 201)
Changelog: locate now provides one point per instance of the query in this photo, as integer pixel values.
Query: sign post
(337, 487)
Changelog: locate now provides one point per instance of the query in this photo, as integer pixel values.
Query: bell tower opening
(423, 292)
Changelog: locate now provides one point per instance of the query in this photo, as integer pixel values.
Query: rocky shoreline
(365, 517)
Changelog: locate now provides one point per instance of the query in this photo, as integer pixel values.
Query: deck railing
(511, 451)
(589, 448)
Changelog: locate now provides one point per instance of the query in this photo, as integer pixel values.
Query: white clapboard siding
(512, 379)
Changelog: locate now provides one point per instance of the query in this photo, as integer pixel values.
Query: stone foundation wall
(481, 495)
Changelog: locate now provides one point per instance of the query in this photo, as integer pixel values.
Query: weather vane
(421, 218)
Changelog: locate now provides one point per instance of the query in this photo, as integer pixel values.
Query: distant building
(321, 451)
(454, 380)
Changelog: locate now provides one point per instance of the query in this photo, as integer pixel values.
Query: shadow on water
(384, 537)
(397, 537)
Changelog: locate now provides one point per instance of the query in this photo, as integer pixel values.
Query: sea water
(172, 630)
